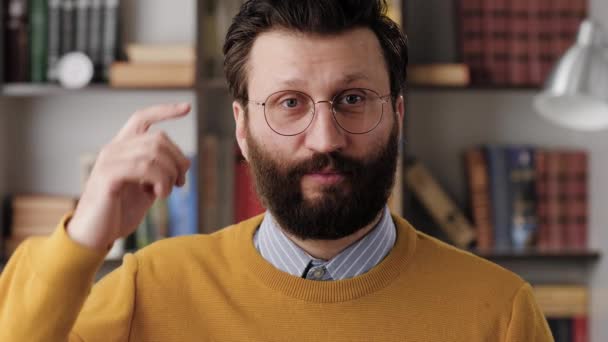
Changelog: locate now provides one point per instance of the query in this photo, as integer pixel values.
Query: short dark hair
(311, 16)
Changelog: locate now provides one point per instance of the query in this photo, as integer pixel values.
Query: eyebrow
(346, 79)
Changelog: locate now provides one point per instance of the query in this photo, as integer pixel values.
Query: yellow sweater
(218, 288)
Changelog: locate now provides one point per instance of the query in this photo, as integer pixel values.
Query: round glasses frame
(382, 98)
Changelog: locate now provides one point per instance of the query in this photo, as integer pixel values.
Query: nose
(324, 134)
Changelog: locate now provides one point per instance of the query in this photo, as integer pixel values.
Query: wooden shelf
(29, 89)
(587, 256)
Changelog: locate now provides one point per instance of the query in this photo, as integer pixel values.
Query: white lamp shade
(576, 94)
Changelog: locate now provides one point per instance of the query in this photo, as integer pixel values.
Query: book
(441, 207)
(161, 53)
(518, 38)
(562, 301)
(395, 200)
(53, 38)
(38, 40)
(151, 75)
(451, 75)
(109, 48)
(67, 26)
(81, 25)
(471, 37)
(522, 196)
(94, 49)
(499, 196)
(16, 62)
(182, 204)
(534, 28)
(575, 199)
(479, 196)
(495, 40)
(246, 201)
(35, 215)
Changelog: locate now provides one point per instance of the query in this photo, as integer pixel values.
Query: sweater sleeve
(46, 283)
(528, 324)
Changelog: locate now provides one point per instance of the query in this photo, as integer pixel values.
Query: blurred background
(479, 168)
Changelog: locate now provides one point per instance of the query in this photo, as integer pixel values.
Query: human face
(320, 66)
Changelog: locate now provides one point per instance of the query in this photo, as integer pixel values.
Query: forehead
(281, 59)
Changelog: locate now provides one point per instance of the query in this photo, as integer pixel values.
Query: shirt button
(318, 273)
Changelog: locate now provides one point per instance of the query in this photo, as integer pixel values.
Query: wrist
(80, 236)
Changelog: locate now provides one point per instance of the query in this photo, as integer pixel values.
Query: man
(318, 113)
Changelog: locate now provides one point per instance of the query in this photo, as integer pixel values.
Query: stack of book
(155, 66)
(39, 32)
(35, 215)
(516, 42)
(566, 309)
(525, 197)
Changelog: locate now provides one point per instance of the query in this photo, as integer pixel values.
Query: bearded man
(317, 90)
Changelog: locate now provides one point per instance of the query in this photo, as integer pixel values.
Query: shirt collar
(356, 259)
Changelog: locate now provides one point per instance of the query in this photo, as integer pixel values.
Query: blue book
(522, 196)
(183, 204)
(499, 196)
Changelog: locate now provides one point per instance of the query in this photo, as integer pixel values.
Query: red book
(535, 76)
(496, 47)
(540, 165)
(575, 206)
(246, 201)
(546, 37)
(519, 55)
(551, 231)
(580, 329)
(479, 196)
(471, 37)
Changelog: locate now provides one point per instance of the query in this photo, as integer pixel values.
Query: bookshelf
(453, 117)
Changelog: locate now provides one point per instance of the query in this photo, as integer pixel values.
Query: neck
(328, 249)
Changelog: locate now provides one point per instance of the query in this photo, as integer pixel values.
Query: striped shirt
(356, 259)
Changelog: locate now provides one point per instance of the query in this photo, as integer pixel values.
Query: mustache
(321, 161)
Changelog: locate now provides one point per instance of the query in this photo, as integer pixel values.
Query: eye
(351, 98)
(290, 103)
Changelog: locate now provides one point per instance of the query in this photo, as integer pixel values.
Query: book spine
(541, 175)
(17, 67)
(555, 231)
(53, 38)
(246, 200)
(547, 37)
(182, 204)
(499, 196)
(444, 211)
(519, 59)
(110, 36)
(534, 43)
(575, 203)
(82, 25)
(95, 36)
(522, 195)
(502, 56)
(38, 40)
(67, 27)
(580, 329)
(479, 196)
(471, 37)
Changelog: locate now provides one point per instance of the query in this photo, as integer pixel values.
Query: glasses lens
(289, 112)
(358, 110)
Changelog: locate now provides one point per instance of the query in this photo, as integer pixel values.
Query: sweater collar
(358, 258)
(377, 278)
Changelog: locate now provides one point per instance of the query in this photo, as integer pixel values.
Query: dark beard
(343, 208)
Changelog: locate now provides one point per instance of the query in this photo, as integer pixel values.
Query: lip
(326, 177)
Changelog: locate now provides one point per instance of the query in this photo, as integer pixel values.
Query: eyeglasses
(356, 110)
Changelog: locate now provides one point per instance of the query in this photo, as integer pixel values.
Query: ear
(241, 128)
(400, 108)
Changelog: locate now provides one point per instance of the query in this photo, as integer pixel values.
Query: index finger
(141, 121)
